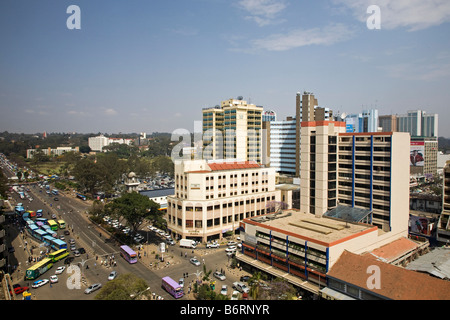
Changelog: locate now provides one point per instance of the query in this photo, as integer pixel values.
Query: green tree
(88, 175)
(133, 207)
(255, 284)
(124, 287)
(3, 185)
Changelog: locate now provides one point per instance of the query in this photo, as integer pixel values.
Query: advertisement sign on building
(417, 153)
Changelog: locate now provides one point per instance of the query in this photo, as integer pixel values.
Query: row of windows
(216, 221)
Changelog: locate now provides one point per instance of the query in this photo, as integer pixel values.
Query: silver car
(92, 288)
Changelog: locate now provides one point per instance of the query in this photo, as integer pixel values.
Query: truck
(241, 287)
(187, 243)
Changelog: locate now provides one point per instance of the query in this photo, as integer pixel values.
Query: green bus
(61, 224)
(58, 255)
(53, 225)
(38, 269)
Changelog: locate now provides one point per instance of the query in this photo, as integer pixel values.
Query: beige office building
(354, 196)
(232, 131)
(212, 198)
(365, 170)
(443, 228)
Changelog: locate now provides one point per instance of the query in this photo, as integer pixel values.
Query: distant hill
(444, 144)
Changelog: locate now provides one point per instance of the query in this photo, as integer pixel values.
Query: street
(92, 239)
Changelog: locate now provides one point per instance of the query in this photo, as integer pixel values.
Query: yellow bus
(53, 225)
(61, 224)
(38, 269)
(58, 255)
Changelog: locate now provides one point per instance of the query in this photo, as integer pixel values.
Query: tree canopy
(125, 287)
(134, 208)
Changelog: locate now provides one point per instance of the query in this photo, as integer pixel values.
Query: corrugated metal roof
(436, 262)
(158, 192)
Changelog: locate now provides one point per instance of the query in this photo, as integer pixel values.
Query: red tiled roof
(233, 165)
(396, 283)
(395, 249)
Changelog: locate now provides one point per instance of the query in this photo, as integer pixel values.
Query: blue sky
(147, 66)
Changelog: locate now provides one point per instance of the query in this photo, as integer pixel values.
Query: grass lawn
(49, 168)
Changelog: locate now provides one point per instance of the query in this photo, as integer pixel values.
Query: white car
(212, 245)
(224, 290)
(92, 288)
(181, 282)
(39, 283)
(235, 295)
(195, 262)
(219, 275)
(231, 243)
(60, 270)
(231, 249)
(112, 275)
(53, 279)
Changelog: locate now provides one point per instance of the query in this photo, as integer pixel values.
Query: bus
(38, 269)
(52, 224)
(32, 213)
(172, 287)
(80, 196)
(58, 255)
(128, 254)
(61, 224)
(39, 234)
(58, 244)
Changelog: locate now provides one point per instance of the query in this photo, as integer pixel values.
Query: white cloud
(76, 113)
(110, 112)
(304, 37)
(263, 12)
(418, 72)
(411, 14)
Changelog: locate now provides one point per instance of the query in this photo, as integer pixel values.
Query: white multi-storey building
(282, 146)
(98, 143)
(211, 198)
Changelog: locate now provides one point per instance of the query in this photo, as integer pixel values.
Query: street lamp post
(134, 296)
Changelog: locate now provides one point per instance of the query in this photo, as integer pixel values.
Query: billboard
(420, 225)
(417, 153)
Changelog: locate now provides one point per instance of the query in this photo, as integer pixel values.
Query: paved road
(86, 235)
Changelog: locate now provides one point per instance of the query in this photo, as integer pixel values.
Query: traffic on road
(60, 254)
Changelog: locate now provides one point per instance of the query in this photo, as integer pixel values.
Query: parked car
(235, 295)
(92, 288)
(181, 282)
(68, 260)
(224, 290)
(219, 275)
(241, 287)
(39, 283)
(244, 278)
(18, 289)
(212, 245)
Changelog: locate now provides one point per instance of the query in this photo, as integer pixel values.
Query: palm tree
(254, 284)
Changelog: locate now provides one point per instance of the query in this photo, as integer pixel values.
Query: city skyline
(153, 66)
